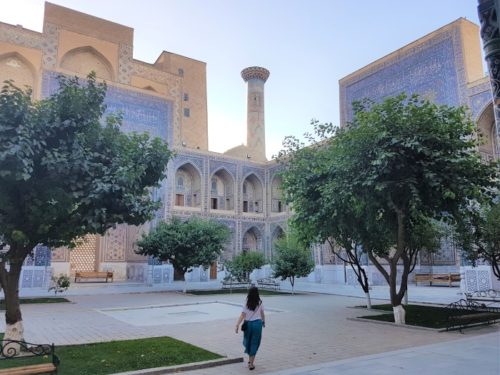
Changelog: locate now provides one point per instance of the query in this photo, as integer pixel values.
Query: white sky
(308, 45)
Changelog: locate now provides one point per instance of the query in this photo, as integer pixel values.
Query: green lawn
(420, 315)
(120, 356)
(262, 292)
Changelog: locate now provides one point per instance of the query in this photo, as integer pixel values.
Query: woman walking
(253, 315)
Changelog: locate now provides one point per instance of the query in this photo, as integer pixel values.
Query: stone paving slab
(312, 328)
(471, 355)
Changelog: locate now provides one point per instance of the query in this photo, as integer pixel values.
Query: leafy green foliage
(66, 172)
(478, 233)
(293, 259)
(60, 284)
(185, 244)
(243, 264)
(382, 180)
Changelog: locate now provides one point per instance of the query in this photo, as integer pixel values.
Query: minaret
(256, 129)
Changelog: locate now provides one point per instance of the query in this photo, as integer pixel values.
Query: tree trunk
(14, 329)
(292, 281)
(368, 300)
(399, 314)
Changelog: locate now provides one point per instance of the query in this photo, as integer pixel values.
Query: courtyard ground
(308, 329)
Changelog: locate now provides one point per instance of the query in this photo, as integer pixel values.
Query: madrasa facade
(167, 99)
(445, 67)
(239, 188)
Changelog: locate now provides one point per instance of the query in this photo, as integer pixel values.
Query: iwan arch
(239, 188)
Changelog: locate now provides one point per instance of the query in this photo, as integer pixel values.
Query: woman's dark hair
(253, 298)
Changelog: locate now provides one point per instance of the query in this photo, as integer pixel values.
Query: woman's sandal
(251, 367)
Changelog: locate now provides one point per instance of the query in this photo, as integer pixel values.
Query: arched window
(222, 191)
(187, 186)
(252, 195)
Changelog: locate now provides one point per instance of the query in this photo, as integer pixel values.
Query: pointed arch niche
(277, 204)
(17, 68)
(187, 186)
(486, 128)
(221, 187)
(83, 60)
(276, 235)
(252, 193)
(252, 240)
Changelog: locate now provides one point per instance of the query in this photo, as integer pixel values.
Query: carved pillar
(488, 11)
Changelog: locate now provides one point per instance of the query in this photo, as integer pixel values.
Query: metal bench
(491, 296)
(464, 313)
(13, 349)
(437, 278)
(235, 284)
(81, 275)
(268, 283)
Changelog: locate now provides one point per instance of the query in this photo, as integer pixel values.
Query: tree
(478, 233)
(293, 259)
(396, 168)
(242, 265)
(65, 171)
(185, 244)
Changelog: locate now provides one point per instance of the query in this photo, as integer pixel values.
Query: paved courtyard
(302, 330)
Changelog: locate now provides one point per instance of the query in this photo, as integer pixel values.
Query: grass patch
(24, 301)
(262, 292)
(119, 356)
(421, 315)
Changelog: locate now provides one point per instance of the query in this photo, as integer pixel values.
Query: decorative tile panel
(433, 69)
(142, 113)
(50, 45)
(22, 37)
(114, 244)
(125, 53)
(478, 103)
(61, 254)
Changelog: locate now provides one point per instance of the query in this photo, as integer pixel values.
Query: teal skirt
(252, 337)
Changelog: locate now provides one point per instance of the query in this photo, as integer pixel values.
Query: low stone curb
(398, 325)
(186, 367)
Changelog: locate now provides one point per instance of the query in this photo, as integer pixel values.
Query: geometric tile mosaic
(83, 257)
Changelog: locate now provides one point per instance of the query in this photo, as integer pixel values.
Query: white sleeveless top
(251, 315)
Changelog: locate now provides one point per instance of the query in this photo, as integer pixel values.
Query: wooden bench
(268, 283)
(464, 313)
(13, 349)
(80, 275)
(437, 278)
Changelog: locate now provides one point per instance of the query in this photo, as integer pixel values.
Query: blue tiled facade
(140, 112)
(433, 69)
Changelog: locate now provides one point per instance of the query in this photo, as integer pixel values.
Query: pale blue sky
(308, 45)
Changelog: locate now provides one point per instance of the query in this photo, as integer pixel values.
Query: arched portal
(252, 240)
